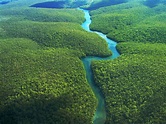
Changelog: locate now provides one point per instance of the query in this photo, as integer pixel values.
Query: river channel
(100, 114)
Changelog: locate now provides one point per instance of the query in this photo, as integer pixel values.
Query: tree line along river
(100, 114)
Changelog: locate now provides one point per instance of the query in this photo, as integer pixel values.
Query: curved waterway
(100, 114)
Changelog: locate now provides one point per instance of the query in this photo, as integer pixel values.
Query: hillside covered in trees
(133, 84)
(42, 77)
(132, 21)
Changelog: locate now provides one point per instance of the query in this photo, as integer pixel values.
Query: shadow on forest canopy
(59, 4)
(153, 3)
(38, 109)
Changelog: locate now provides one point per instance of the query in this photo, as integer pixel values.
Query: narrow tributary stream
(100, 114)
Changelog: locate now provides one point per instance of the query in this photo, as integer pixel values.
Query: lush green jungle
(132, 21)
(42, 77)
(133, 84)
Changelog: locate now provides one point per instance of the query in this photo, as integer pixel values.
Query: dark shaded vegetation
(134, 84)
(42, 85)
(96, 4)
(4, 2)
(42, 78)
(51, 4)
(131, 22)
(61, 4)
(41, 75)
(153, 3)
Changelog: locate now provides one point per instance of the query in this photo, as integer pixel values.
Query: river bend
(100, 114)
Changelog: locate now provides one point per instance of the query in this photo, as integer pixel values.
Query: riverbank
(100, 114)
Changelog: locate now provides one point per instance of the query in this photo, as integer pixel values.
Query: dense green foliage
(131, 22)
(134, 84)
(42, 77)
(51, 28)
(57, 35)
(42, 85)
(156, 49)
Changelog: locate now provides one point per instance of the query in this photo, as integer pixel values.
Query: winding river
(100, 114)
